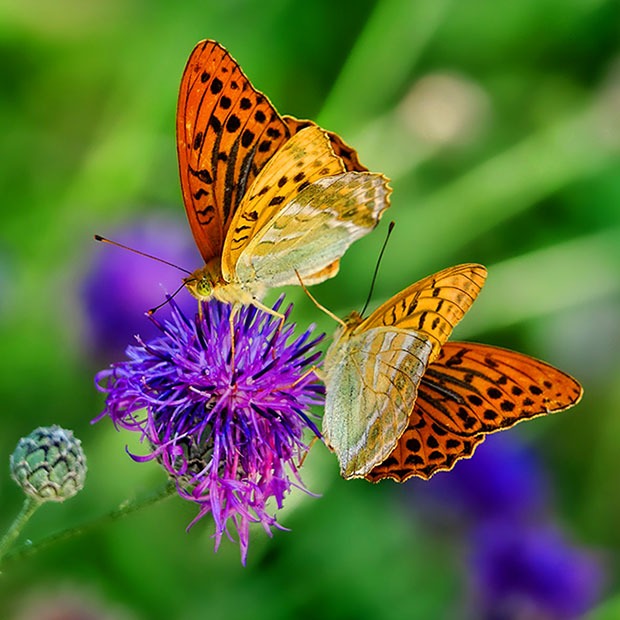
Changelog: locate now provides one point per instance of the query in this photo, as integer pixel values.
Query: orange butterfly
(267, 196)
(374, 366)
(472, 390)
(401, 401)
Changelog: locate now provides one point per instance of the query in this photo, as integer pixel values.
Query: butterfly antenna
(317, 304)
(169, 298)
(374, 277)
(126, 247)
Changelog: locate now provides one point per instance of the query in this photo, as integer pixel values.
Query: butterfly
(267, 196)
(374, 366)
(469, 391)
(403, 402)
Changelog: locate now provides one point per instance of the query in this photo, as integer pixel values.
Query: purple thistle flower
(532, 572)
(120, 286)
(228, 437)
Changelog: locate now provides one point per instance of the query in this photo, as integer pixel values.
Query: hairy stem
(125, 509)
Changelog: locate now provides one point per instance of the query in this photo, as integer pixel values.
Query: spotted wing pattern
(434, 305)
(304, 159)
(226, 133)
(340, 147)
(469, 391)
(426, 311)
(313, 230)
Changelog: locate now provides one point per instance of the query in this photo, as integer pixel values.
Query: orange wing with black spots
(434, 305)
(267, 197)
(340, 147)
(303, 160)
(472, 390)
(374, 366)
(226, 132)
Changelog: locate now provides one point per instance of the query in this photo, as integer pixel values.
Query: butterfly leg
(257, 304)
(305, 455)
(231, 323)
(318, 372)
(321, 307)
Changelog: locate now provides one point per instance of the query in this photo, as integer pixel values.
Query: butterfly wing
(434, 305)
(302, 213)
(351, 162)
(371, 378)
(347, 153)
(469, 391)
(226, 133)
(305, 158)
(425, 311)
(314, 230)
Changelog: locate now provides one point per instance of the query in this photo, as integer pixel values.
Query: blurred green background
(499, 128)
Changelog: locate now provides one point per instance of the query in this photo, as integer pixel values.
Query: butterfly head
(203, 282)
(348, 326)
(352, 321)
(207, 283)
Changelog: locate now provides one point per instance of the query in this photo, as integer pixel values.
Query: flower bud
(49, 464)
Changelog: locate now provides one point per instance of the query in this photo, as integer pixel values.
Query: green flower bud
(49, 464)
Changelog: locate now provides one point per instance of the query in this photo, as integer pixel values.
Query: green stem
(125, 509)
(28, 509)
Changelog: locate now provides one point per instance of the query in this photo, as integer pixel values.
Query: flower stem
(126, 508)
(28, 509)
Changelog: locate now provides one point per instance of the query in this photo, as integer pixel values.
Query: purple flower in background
(528, 573)
(121, 286)
(503, 480)
(228, 433)
(521, 567)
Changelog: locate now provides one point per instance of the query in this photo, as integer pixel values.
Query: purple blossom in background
(529, 573)
(229, 437)
(520, 566)
(503, 480)
(121, 286)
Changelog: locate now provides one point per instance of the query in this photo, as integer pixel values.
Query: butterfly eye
(200, 285)
(204, 287)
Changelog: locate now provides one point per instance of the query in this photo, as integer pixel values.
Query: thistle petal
(229, 437)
